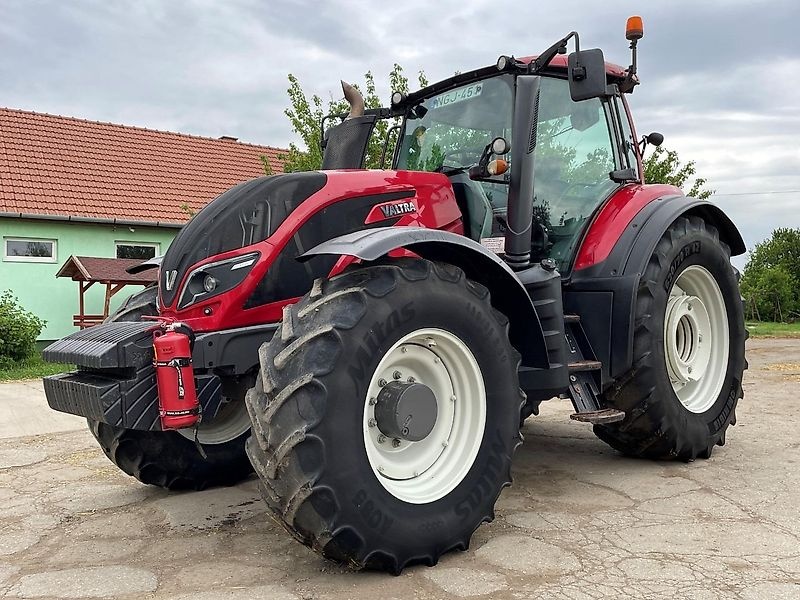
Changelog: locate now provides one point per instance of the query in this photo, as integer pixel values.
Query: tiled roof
(104, 270)
(66, 167)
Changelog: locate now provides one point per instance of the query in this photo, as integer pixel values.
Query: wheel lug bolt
(688, 307)
(397, 374)
(382, 382)
(452, 398)
(416, 473)
(411, 380)
(689, 369)
(372, 401)
(436, 360)
(372, 422)
(444, 444)
(380, 469)
(395, 443)
(403, 349)
(381, 438)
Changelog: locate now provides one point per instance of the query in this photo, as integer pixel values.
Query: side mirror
(586, 70)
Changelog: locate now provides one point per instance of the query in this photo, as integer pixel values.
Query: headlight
(209, 284)
(212, 279)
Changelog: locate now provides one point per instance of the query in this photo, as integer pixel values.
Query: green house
(75, 187)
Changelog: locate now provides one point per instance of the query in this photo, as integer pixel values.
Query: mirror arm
(560, 47)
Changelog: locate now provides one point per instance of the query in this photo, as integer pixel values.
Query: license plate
(459, 95)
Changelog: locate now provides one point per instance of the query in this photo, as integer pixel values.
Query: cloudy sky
(720, 78)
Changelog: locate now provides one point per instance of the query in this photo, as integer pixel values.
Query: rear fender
(508, 295)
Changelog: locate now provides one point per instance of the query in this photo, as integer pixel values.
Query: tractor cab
(582, 150)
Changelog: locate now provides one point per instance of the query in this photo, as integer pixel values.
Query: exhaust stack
(354, 99)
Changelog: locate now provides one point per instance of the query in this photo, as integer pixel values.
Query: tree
(305, 114)
(664, 166)
(772, 276)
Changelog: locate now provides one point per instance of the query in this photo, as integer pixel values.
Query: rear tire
(169, 459)
(325, 473)
(681, 394)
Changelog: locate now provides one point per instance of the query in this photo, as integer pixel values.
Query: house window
(29, 250)
(140, 250)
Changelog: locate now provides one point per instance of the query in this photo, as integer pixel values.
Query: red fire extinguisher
(178, 405)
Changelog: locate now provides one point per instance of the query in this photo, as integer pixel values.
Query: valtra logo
(393, 210)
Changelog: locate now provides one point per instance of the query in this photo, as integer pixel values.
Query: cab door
(578, 147)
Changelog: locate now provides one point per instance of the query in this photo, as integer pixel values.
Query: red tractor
(370, 341)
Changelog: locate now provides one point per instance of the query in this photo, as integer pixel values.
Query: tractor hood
(291, 212)
(245, 214)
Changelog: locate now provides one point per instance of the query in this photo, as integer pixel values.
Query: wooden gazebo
(88, 270)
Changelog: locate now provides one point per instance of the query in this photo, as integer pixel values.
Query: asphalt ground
(580, 521)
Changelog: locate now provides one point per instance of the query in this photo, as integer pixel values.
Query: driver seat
(475, 207)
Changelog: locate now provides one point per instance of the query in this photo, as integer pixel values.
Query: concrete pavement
(24, 411)
(579, 522)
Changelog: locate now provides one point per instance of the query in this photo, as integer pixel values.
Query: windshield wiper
(450, 170)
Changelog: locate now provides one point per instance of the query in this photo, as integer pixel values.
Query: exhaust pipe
(520, 190)
(354, 99)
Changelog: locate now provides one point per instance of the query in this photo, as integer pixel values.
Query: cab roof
(557, 66)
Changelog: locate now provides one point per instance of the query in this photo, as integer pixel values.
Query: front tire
(329, 472)
(170, 459)
(681, 394)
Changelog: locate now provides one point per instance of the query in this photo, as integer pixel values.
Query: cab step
(584, 365)
(597, 417)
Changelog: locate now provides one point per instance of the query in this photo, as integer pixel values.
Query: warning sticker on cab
(459, 95)
(494, 244)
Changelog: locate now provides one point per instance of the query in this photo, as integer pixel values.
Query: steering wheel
(467, 154)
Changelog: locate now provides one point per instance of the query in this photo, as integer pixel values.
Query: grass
(767, 329)
(32, 368)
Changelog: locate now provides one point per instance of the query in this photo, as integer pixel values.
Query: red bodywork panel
(432, 196)
(560, 62)
(614, 217)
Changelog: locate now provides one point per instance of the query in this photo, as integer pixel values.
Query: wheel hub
(688, 328)
(406, 411)
(696, 338)
(424, 415)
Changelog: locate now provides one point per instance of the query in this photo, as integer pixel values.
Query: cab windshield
(452, 129)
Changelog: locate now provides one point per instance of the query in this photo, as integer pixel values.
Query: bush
(18, 330)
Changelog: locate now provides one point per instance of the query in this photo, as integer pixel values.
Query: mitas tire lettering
(365, 354)
(486, 483)
(487, 330)
(372, 515)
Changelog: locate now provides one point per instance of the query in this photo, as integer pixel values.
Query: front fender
(508, 295)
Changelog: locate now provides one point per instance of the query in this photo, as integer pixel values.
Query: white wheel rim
(696, 339)
(231, 421)
(424, 471)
